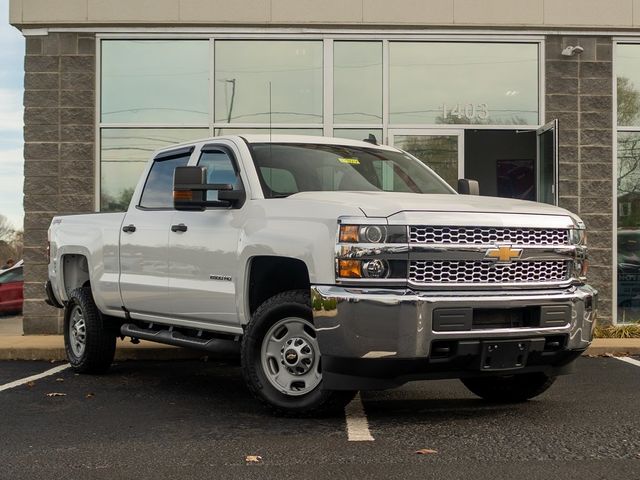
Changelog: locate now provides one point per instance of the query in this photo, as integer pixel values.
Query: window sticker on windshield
(349, 161)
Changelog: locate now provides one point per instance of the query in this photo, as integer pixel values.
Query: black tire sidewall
(510, 389)
(99, 341)
(289, 304)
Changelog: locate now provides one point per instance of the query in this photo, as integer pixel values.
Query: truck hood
(386, 204)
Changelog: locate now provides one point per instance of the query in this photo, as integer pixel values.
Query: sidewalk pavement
(15, 346)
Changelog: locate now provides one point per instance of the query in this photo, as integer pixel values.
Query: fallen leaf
(253, 459)
(56, 394)
(59, 379)
(90, 395)
(31, 384)
(426, 451)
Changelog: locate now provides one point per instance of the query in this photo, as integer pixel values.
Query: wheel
(281, 361)
(89, 344)
(509, 389)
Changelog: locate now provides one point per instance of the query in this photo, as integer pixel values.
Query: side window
(219, 170)
(14, 275)
(158, 189)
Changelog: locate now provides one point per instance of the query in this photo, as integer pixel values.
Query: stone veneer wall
(59, 135)
(579, 92)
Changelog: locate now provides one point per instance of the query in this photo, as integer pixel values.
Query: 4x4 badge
(504, 254)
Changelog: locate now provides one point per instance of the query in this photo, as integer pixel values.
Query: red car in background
(11, 283)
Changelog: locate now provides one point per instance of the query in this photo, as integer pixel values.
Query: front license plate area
(504, 354)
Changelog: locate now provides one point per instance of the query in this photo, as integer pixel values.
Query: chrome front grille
(487, 272)
(488, 235)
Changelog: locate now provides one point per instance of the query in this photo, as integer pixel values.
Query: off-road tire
(509, 389)
(315, 403)
(100, 344)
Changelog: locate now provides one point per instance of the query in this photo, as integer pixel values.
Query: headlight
(578, 236)
(373, 234)
(372, 253)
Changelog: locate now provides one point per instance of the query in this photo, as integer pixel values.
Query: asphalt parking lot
(195, 419)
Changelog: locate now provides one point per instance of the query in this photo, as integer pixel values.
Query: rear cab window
(158, 188)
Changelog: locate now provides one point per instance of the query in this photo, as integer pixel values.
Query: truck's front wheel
(90, 345)
(509, 389)
(281, 360)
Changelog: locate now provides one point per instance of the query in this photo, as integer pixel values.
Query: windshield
(288, 168)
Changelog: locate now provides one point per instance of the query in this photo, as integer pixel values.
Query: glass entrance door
(440, 150)
(548, 163)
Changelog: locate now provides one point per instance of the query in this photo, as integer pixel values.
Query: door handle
(129, 228)
(179, 228)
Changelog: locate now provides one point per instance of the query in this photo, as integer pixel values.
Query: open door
(547, 171)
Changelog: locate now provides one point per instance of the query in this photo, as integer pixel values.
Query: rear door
(203, 263)
(144, 240)
(11, 284)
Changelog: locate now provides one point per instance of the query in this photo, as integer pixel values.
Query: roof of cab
(266, 138)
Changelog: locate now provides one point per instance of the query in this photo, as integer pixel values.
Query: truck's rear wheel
(90, 345)
(281, 360)
(511, 388)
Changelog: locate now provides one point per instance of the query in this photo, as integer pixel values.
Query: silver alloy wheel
(77, 332)
(290, 356)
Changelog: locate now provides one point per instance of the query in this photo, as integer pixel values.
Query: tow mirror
(468, 187)
(190, 189)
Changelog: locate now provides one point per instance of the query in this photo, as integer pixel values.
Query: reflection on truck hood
(385, 204)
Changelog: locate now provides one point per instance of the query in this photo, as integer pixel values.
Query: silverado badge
(504, 254)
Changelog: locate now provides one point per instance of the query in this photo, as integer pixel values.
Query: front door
(203, 249)
(441, 150)
(548, 163)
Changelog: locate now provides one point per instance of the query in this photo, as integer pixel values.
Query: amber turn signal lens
(349, 269)
(349, 233)
(183, 195)
(585, 268)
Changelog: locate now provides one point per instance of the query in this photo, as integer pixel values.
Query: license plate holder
(504, 354)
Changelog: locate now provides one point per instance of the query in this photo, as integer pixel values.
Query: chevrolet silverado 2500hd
(340, 265)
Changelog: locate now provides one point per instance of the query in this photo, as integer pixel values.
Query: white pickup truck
(340, 265)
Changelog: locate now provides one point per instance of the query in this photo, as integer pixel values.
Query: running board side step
(169, 336)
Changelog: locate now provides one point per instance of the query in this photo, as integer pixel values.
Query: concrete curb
(51, 347)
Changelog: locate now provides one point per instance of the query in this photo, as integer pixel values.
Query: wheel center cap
(291, 357)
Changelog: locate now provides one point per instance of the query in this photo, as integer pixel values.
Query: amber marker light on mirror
(349, 233)
(349, 269)
(182, 195)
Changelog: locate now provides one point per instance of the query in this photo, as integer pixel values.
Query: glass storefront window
(244, 69)
(359, 133)
(628, 91)
(628, 227)
(124, 154)
(155, 81)
(438, 152)
(357, 82)
(463, 83)
(265, 131)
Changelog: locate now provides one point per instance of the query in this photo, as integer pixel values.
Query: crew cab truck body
(340, 266)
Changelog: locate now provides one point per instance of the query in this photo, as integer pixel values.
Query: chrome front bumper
(360, 324)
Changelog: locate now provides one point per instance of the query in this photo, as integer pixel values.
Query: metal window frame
(614, 173)
(433, 132)
(327, 37)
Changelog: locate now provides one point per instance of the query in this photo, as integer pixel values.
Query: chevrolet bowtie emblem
(504, 254)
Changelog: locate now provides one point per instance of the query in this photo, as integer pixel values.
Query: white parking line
(630, 360)
(32, 378)
(357, 423)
